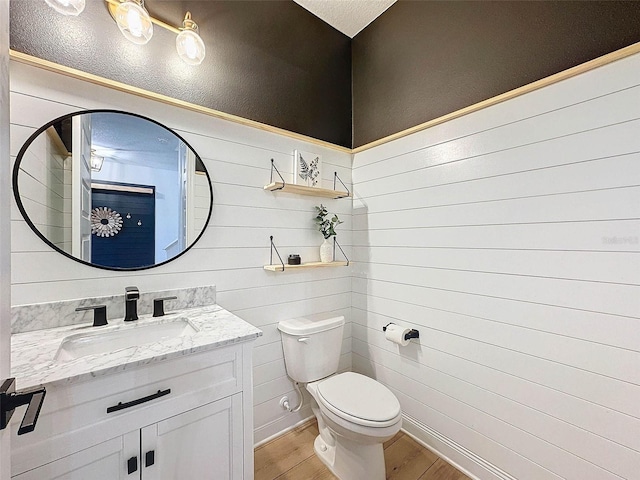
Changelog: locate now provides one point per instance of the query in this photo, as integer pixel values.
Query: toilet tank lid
(307, 326)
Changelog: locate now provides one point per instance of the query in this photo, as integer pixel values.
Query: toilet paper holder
(413, 333)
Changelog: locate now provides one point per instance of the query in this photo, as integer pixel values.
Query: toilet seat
(359, 400)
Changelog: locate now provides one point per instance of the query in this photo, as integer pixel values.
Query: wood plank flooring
(291, 457)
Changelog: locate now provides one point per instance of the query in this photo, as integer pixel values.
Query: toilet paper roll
(395, 333)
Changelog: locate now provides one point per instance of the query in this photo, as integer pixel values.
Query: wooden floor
(291, 457)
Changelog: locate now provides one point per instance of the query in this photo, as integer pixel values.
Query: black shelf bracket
(336, 177)
(273, 247)
(335, 243)
(273, 167)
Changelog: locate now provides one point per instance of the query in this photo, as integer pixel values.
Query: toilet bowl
(355, 413)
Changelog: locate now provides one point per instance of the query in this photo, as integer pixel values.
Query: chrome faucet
(131, 296)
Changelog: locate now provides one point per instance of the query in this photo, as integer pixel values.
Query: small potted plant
(326, 225)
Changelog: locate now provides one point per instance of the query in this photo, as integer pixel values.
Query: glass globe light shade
(134, 22)
(67, 7)
(190, 47)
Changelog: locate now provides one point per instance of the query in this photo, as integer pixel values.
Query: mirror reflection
(113, 189)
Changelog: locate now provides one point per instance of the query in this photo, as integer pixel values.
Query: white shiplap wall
(200, 211)
(45, 190)
(511, 239)
(232, 251)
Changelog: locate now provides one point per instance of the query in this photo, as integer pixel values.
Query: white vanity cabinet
(202, 429)
(200, 444)
(105, 461)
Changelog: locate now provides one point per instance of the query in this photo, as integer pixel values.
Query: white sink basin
(126, 336)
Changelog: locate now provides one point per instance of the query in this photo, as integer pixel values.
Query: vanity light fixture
(96, 161)
(67, 7)
(136, 25)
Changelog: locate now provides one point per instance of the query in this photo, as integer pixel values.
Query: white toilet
(356, 414)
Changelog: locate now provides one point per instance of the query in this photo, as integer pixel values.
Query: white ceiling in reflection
(129, 139)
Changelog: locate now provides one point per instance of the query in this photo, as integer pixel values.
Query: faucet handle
(131, 293)
(99, 314)
(158, 305)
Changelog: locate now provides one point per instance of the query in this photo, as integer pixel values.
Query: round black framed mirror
(113, 190)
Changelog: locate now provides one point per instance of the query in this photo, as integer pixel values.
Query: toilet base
(349, 460)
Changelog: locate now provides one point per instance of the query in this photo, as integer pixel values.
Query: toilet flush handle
(303, 339)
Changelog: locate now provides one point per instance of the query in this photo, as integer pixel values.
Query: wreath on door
(105, 222)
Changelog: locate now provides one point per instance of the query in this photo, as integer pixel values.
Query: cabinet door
(203, 443)
(105, 461)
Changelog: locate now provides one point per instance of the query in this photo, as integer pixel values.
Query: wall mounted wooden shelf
(283, 186)
(303, 190)
(279, 268)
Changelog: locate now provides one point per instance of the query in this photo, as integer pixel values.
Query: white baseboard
(464, 460)
(452, 452)
(277, 428)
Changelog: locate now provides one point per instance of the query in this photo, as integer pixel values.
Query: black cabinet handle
(133, 403)
(149, 458)
(132, 465)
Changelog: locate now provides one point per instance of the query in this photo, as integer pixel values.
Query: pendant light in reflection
(96, 161)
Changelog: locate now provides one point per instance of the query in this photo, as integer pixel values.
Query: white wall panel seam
(423, 227)
(497, 200)
(498, 297)
(509, 175)
(426, 267)
(499, 322)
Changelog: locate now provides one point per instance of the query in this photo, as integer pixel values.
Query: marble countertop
(34, 354)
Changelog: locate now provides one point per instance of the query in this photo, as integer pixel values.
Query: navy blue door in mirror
(133, 246)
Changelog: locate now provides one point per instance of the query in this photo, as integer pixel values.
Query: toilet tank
(311, 347)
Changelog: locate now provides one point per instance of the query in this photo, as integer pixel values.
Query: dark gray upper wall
(269, 61)
(424, 59)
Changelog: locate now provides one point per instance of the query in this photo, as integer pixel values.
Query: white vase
(326, 251)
